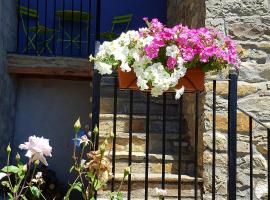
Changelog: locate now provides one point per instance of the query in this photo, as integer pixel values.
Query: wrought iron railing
(166, 127)
(57, 28)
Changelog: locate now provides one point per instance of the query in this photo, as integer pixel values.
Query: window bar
(63, 27)
(163, 140)
(130, 141)
(114, 131)
(72, 27)
(54, 27)
(251, 157)
(196, 145)
(45, 33)
(28, 24)
(36, 39)
(268, 160)
(180, 147)
(81, 10)
(18, 24)
(214, 141)
(88, 30)
(147, 145)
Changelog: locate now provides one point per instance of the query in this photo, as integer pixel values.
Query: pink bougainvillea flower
(37, 148)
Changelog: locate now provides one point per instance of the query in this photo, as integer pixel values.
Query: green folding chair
(117, 20)
(75, 16)
(34, 32)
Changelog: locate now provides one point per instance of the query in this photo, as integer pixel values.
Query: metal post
(96, 77)
(232, 137)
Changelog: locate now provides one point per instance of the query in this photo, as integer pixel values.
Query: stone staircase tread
(170, 178)
(126, 117)
(125, 135)
(138, 156)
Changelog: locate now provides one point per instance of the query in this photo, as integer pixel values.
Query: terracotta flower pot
(192, 81)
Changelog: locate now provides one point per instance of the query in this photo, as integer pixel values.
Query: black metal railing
(57, 28)
(173, 118)
(162, 117)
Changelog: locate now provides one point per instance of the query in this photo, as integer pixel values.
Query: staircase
(155, 145)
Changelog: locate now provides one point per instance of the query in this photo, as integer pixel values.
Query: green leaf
(6, 184)
(11, 169)
(78, 186)
(97, 184)
(10, 196)
(90, 175)
(24, 198)
(35, 191)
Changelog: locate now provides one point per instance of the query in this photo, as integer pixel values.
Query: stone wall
(248, 23)
(190, 13)
(8, 24)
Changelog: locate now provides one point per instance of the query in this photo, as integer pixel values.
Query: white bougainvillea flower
(179, 93)
(161, 192)
(37, 148)
(2, 175)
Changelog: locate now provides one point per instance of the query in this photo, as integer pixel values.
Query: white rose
(37, 148)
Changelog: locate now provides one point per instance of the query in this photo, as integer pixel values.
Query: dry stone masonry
(248, 23)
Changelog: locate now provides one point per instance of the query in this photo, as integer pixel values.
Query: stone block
(244, 89)
(222, 122)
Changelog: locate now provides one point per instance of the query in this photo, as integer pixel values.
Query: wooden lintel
(49, 66)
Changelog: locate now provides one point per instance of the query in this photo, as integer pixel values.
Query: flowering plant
(160, 56)
(92, 165)
(22, 178)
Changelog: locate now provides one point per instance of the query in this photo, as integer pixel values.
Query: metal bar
(98, 13)
(196, 144)
(251, 157)
(63, 27)
(18, 24)
(28, 24)
(72, 26)
(45, 33)
(214, 142)
(81, 8)
(54, 27)
(37, 23)
(89, 30)
(180, 147)
(114, 131)
(268, 160)
(232, 131)
(163, 140)
(147, 145)
(130, 141)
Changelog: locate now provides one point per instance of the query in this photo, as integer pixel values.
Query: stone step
(154, 180)
(139, 142)
(155, 163)
(140, 156)
(139, 106)
(138, 125)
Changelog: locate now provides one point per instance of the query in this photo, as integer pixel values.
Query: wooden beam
(49, 66)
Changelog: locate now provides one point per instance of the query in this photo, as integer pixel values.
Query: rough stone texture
(190, 13)
(247, 22)
(8, 32)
